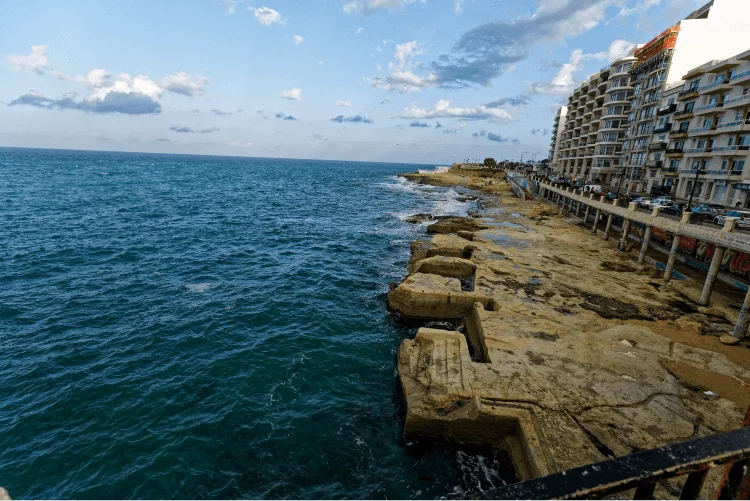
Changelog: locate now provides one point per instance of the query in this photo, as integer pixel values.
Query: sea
(177, 326)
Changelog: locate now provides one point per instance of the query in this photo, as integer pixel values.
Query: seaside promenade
(558, 348)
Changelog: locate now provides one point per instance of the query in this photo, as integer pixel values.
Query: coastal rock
(4, 496)
(455, 224)
(418, 218)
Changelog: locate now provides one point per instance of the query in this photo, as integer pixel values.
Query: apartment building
(557, 130)
(596, 118)
(710, 141)
(710, 32)
(659, 173)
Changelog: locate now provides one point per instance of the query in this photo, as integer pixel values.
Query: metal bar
(627, 472)
(693, 484)
(728, 469)
(645, 491)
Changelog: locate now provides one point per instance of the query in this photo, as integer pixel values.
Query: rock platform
(564, 351)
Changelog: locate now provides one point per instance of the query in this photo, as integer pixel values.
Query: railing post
(596, 220)
(730, 224)
(625, 233)
(609, 226)
(740, 330)
(644, 245)
(713, 271)
(672, 256)
(586, 214)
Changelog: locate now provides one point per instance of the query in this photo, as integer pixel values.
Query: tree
(490, 162)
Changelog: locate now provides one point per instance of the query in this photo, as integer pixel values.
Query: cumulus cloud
(343, 104)
(282, 116)
(298, 39)
(493, 137)
(190, 130)
(132, 103)
(443, 109)
(419, 124)
(187, 85)
(359, 31)
(369, 7)
(565, 80)
(357, 119)
(108, 93)
(293, 94)
(402, 77)
(267, 16)
(34, 62)
(220, 113)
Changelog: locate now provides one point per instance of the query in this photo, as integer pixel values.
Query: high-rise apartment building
(710, 140)
(711, 32)
(554, 151)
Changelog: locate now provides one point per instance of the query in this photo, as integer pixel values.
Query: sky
(425, 81)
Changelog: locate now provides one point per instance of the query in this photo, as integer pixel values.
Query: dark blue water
(202, 327)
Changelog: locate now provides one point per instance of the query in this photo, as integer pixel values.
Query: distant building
(554, 152)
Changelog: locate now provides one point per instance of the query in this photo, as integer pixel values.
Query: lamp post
(698, 172)
(620, 172)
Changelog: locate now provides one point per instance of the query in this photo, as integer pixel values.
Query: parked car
(660, 202)
(642, 201)
(712, 209)
(672, 210)
(592, 188)
(743, 220)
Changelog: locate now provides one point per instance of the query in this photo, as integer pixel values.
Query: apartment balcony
(731, 150)
(710, 108)
(674, 152)
(741, 77)
(655, 164)
(702, 131)
(713, 88)
(657, 146)
(666, 110)
(736, 126)
(678, 134)
(736, 101)
(687, 94)
(682, 115)
(662, 128)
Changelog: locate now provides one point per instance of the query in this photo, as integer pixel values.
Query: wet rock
(4, 496)
(418, 218)
(729, 340)
(455, 224)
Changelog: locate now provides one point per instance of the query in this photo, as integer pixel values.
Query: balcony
(709, 108)
(658, 146)
(675, 152)
(699, 131)
(730, 150)
(679, 133)
(694, 150)
(662, 128)
(687, 94)
(683, 114)
(666, 110)
(655, 164)
(740, 77)
(736, 101)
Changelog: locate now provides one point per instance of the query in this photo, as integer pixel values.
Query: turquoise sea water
(203, 327)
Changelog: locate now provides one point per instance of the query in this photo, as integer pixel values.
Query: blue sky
(430, 81)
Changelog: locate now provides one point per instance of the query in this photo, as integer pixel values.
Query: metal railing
(643, 470)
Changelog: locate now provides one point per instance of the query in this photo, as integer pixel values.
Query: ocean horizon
(184, 326)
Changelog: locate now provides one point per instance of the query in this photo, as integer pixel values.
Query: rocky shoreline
(553, 347)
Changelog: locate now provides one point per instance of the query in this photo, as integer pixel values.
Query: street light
(620, 172)
(698, 172)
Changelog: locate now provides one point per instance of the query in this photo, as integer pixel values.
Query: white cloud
(402, 77)
(343, 104)
(35, 62)
(359, 31)
(298, 39)
(267, 16)
(565, 80)
(293, 94)
(369, 7)
(187, 85)
(320, 63)
(457, 6)
(443, 109)
(240, 144)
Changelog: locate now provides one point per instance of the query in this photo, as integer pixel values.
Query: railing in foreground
(643, 470)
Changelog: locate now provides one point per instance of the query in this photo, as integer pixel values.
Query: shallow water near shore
(203, 327)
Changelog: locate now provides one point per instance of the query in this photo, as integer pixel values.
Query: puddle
(503, 240)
